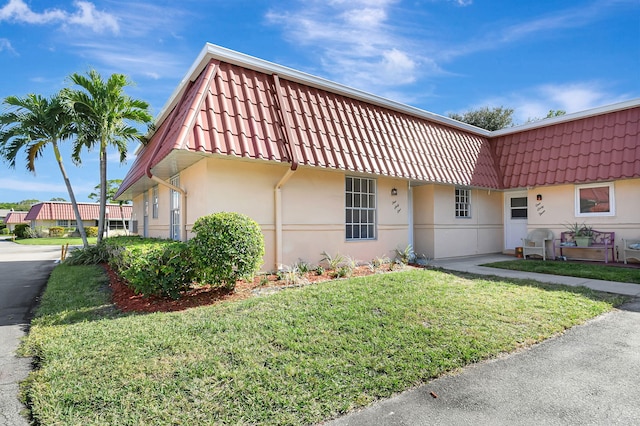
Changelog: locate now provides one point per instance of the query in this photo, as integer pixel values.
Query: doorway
(516, 212)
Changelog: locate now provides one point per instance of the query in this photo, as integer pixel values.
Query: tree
(487, 118)
(32, 123)
(102, 112)
(112, 189)
(57, 199)
(552, 113)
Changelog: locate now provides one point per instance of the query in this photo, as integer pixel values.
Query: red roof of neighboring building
(595, 148)
(15, 217)
(56, 210)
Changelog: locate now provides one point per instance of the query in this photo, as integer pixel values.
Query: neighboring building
(14, 218)
(57, 213)
(324, 167)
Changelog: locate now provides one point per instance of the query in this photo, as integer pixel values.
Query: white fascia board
(212, 51)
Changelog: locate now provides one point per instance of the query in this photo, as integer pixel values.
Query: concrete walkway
(472, 265)
(590, 375)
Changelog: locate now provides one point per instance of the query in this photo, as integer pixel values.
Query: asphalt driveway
(24, 271)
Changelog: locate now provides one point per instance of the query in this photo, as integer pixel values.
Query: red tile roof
(15, 217)
(591, 149)
(234, 111)
(233, 105)
(53, 210)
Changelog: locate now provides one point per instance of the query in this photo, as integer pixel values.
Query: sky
(443, 56)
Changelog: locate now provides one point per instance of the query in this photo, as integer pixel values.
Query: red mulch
(127, 301)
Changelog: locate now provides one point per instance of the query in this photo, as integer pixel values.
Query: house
(324, 167)
(48, 214)
(13, 218)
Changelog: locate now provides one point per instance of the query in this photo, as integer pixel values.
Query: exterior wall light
(394, 191)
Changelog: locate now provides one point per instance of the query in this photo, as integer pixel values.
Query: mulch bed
(127, 301)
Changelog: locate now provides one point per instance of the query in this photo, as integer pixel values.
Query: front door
(515, 221)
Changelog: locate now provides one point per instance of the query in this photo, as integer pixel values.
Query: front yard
(299, 356)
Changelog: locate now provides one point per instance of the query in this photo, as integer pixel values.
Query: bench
(599, 241)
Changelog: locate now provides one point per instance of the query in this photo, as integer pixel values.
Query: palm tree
(102, 112)
(33, 123)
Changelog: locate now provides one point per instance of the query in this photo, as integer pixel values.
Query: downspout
(410, 207)
(286, 124)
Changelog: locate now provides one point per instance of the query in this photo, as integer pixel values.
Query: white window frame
(462, 203)
(359, 218)
(154, 202)
(174, 213)
(612, 200)
(66, 223)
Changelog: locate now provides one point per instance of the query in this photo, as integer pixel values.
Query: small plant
(333, 262)
(319, 270)
(302, 266)
(342, 272)
(264, 280)
(227, 247)
(406, 255)
(56, 231)
(289, 274)
(579, 230)
(377, 262)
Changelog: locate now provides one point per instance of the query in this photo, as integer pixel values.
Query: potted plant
(581, 233)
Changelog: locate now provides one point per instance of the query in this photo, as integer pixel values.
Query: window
(154, 200)
(519, 208)
(360, 203)
(463, 202)
(595, 200)
(174, 216)
(67, 223)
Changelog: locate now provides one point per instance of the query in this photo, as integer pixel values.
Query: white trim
(612, 200)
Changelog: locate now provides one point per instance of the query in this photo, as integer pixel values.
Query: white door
(515, 221)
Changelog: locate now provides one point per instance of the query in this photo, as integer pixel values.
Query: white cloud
(86, 16)
(31, 186)
(536, 102)
(5, 44)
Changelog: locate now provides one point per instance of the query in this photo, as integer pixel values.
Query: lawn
(572, 269)
(72, 241)
(299, 356)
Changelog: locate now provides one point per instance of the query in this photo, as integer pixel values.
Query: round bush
(91, 231)
(56, 231)
(22, 230)
(227, 247)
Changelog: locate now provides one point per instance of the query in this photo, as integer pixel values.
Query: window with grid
(463, 202)
(154, 200)
(66, 223)
(360, 202)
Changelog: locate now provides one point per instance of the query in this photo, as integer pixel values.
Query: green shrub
(227, 247)
(4, 231)
(22, 230)
(91, 231)
(92, 255)
(56, 231)
(162, 268)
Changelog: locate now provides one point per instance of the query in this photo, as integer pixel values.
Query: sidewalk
(472, 265)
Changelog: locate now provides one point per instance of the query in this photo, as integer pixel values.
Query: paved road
(23, 274)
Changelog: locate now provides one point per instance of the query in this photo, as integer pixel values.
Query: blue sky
(439, 55)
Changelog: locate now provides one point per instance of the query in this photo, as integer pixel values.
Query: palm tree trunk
(103, 190)
(74, 204)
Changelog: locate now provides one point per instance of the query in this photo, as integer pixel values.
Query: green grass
(72, 241)
(572, 269)
(300, 356)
